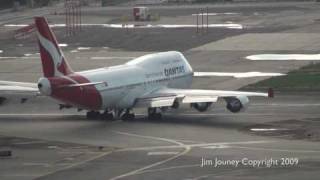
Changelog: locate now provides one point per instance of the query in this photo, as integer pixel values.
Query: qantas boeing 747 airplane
(156, 81)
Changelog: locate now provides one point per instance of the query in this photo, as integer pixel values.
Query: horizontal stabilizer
(82, 85)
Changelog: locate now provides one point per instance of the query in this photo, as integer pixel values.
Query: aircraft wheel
(107, 116)
(128, 117)
(93, 114)
(155, 116)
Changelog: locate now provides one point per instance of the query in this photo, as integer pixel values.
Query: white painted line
(36, 164)
(284, 57)
(278, 150)
(200, 145)
(63, 45)
(149, 137)
(161, 153)
(215, 14)
(217, 147)
(187, 149)
(227, 25)
(265, 129)
(1, 51)
(53, 147)
(286, 105)
(23, 57)
(77, 164)
(19, 175)
(84, 48)
(29, 142)
(140, 170)
(236, 74)
(28, 54)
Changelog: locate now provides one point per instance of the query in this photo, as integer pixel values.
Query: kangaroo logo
(57, 57)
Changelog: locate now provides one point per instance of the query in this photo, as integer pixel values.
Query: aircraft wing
(237, 74)
(168, 96)
(21, 91)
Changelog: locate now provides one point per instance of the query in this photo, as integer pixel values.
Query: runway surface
(50, 145)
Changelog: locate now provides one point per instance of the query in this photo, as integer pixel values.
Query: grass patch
(306, 78)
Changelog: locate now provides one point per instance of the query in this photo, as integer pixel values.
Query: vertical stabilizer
(53, 61)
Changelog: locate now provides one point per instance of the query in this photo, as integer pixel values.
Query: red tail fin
(53, 61)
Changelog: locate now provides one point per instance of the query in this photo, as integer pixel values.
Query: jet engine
(201, 107)
(237, 104)
(44, 86)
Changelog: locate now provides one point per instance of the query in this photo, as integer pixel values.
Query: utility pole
(73, 16)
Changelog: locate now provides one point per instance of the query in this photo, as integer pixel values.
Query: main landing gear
(127, 116)
(154, 114)
(107, 115)
(93, 115)
(124, 115)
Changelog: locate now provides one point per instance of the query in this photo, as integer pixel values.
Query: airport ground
(51, 144)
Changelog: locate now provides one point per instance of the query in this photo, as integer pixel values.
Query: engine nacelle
(44, 86)
(201, 107)
(237, 104)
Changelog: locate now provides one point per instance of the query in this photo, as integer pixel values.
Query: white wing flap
(208, 93)
(199, 99)
(155, 101)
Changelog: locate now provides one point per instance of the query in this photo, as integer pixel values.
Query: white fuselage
(125, 83)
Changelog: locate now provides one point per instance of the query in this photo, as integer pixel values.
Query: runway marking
(161, 153)
(215, 14)
(36, 164)
(192, 145)
(63, 45)
(217, 147)
(16, 57)
(287, 105)
(188, 141)
(266, 129)
(29, 142)
(147, 26)
(149, 137)
(18, 175)
(284, 57)
(139, 171)
(77, 164)
(280, 150)
(179, 145)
